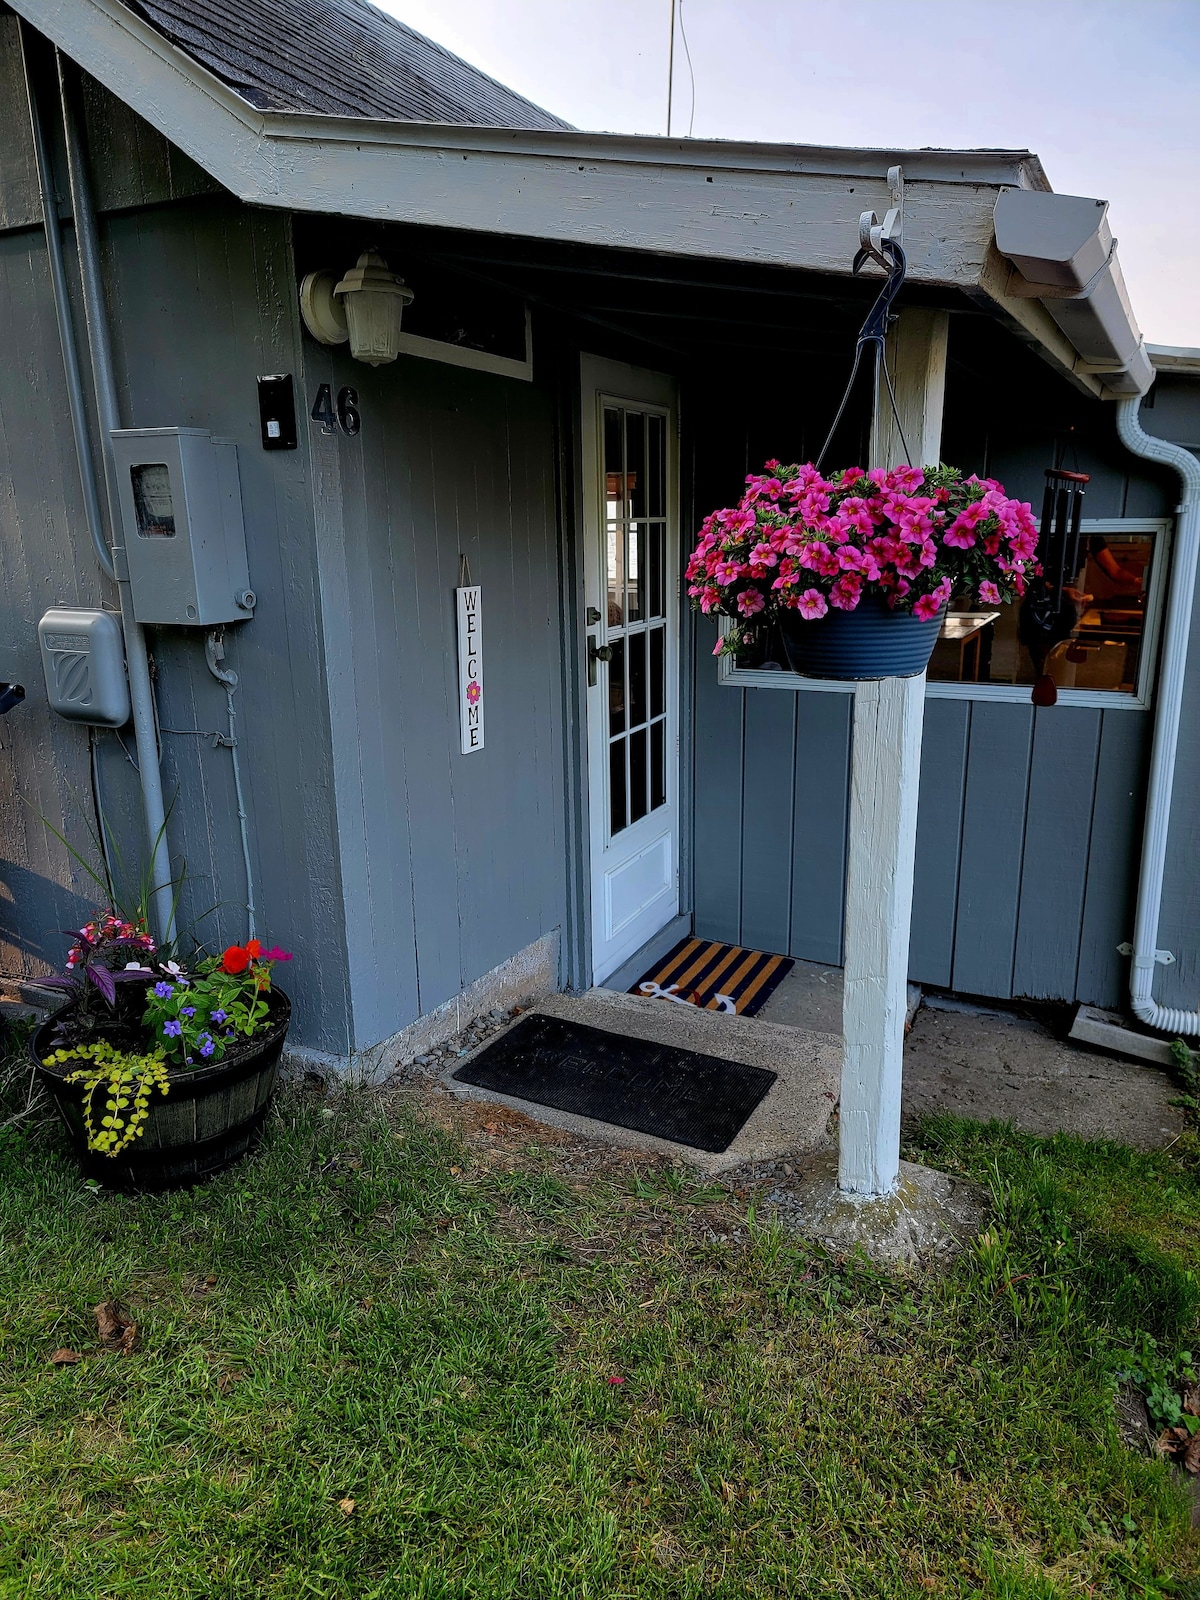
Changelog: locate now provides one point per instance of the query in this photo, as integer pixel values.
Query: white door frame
(634, 875)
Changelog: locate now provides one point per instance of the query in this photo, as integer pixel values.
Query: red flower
(235, 959)
(253, 949)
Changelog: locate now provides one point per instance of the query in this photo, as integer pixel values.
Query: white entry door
(631, 497)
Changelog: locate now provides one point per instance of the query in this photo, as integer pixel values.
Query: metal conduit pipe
(141, 690)
(66, 321)
(1166, 719)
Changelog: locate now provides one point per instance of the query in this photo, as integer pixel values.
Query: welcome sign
(470, 668)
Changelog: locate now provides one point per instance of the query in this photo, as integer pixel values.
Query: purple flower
(162, 990)
(218, 1016)
(206, 1045)
(172, 1029)
(187, 1011)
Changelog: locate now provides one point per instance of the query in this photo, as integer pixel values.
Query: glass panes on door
(635, 546)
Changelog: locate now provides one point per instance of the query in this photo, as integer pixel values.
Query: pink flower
(926, 608)
(846, 592)
(811, 605)
(750, 601)
(1024, 546)
(909, 479)
(989, 593)
(710, 600)
(728, 571)
(960, 534)
(738, 521)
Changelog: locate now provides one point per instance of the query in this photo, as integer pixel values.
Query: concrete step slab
(793, 1116)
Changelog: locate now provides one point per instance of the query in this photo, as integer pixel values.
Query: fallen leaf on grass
(227, 1380)
(65, 1358)
(346, 1507)
(1182, 1446)
(117, 1331)
(616, 1382)
(1191, 1400)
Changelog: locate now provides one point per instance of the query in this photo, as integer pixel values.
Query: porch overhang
(792, 206)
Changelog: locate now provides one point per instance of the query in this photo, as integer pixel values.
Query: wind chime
(1048, 612)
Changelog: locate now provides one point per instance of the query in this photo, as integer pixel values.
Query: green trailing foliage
(1163, 1379)
(127, 1081)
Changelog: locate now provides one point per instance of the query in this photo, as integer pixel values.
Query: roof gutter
(1166, 721)
(1063, 253)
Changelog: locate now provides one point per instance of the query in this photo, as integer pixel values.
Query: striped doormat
(715, 977)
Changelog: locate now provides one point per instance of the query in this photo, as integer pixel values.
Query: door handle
(596, 653)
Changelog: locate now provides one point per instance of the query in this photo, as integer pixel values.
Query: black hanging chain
(874, 332)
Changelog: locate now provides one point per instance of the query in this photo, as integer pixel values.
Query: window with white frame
(1107, 660)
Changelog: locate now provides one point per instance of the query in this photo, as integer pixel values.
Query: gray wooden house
(605, 334)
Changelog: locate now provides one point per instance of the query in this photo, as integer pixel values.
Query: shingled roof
(342, 57)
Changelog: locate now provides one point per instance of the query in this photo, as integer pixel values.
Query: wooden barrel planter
(210, 1118)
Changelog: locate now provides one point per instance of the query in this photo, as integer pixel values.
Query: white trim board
(734, 677)
(462, 355)
(779, 205)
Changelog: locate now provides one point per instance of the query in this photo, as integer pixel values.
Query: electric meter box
(185, 543)
(83, 654)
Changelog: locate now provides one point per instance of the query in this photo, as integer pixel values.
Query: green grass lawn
(431, 1329)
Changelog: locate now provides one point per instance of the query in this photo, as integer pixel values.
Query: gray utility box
(83, 656)
(181, 509)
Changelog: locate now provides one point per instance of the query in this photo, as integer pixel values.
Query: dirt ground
(976, 1062)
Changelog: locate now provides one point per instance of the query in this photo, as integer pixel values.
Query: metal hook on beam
(873, 234)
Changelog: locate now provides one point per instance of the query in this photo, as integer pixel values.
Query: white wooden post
(885, 776)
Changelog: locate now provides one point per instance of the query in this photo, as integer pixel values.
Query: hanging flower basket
(858, 568)
(872, 641)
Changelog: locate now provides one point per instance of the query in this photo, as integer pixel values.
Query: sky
(1107, 92)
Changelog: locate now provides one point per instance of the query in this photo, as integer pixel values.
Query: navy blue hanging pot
(871, 641)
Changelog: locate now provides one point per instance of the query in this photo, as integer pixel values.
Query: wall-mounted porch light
(366, 307)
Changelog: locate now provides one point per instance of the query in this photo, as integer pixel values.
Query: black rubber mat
(673, 1094)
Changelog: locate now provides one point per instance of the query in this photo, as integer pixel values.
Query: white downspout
(1166, 719)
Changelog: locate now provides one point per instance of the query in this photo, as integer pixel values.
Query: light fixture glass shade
(373, 297)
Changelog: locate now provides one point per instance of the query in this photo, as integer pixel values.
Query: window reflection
(635, 621)
(980, 644)
(1103, 650)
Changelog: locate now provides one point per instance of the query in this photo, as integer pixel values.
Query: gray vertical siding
(1029, 820)
(452, 863)
(822, 796)
(201, 301)
(940, 817)
(1026, 841)
(994, 790)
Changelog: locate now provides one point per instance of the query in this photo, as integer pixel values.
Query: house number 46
(346, 417)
